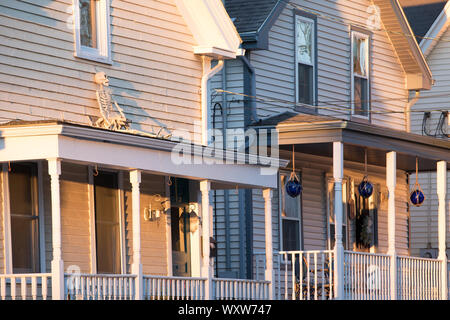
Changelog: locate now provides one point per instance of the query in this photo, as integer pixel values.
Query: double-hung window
(305, 57)
(360, 74)
(108, 223)
(24, 217)
(92, 30)
(290, 217)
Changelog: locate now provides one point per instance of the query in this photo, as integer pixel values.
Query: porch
(361, 266)
(109, 210)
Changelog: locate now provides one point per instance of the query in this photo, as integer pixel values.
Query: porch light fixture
(365, 188)
(417, 196)
(194, 219)
(293, 186)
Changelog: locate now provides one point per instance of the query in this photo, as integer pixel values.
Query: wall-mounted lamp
(192, 218)
(154, 213)
(151, 215)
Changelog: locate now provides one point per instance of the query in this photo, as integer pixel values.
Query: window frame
(122, 219)
(39, 203)
(103, 51)
(367, 36)
(280, 209)
(345, 220)
(305, 16)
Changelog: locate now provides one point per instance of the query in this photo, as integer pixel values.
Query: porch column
(391, 181)
(267, 194)
(136, 268)
(54, 170)
(338, 174)
(442, 222)
(207, 267)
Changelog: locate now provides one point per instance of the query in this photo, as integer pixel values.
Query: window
(92, 30)
(107, 222)
(305, 30)
(24, 215)
(360, 75)
(290, 217)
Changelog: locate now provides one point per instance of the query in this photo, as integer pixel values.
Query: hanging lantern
(293, 186)
(417, 197)
(365, 188)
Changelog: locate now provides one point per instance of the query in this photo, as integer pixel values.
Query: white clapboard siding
(275, 67)
(153, 233)
(155, 76)
(424, 219)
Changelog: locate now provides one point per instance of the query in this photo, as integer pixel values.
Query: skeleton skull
(101, 78)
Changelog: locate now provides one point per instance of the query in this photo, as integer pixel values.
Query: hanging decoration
(417, 196)
(293, 186)
(365, 188)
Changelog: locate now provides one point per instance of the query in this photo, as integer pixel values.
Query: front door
(181, 241)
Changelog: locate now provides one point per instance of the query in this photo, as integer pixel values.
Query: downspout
(409, 105)
(208, 73)
(252, 116)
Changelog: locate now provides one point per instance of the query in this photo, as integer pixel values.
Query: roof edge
(436, 30)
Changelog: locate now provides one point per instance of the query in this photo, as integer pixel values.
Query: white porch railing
(33, 286)
(240, 289)
(99, 286)
(300, 275)
(173, 288)
(366, 276)
(418, 278)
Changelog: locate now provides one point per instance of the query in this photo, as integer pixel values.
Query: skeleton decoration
(112, 116)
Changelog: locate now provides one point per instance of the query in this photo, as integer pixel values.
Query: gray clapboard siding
(154, 76)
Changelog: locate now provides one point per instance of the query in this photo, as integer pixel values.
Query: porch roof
(317, 132)
(36, 140)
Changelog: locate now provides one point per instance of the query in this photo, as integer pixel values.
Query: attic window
(92, 30)
(360, 74)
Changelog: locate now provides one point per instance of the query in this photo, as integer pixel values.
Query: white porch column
(338, 174)
(391, 181)
(442, 222)
(206, 268)
(136, 268)
(54, 170)
(267, 194)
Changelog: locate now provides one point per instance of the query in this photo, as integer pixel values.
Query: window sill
(305, 108)
(95, 58)
(360, 119)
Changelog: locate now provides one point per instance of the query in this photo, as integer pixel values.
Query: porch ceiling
(125, 151)
(314, 134)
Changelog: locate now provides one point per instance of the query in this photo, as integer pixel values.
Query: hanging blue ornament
(365, 188)
(293, 187)
(417, 197)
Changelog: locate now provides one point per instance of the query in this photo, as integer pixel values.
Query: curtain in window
(360, 56)
(88, 23)
(304, 41)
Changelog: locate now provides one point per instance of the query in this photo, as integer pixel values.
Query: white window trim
(103, 53)
(8, 266)
(121, 206)
(345, 220)
(313, 50)
(352, 89)
(280, 208)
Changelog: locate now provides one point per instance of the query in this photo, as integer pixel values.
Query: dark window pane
(24, 218)
(291, 235)
(361, 95)
(107, 223)
(305, 84)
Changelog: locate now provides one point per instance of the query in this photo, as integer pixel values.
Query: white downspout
(408, 110)
(208, 73)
